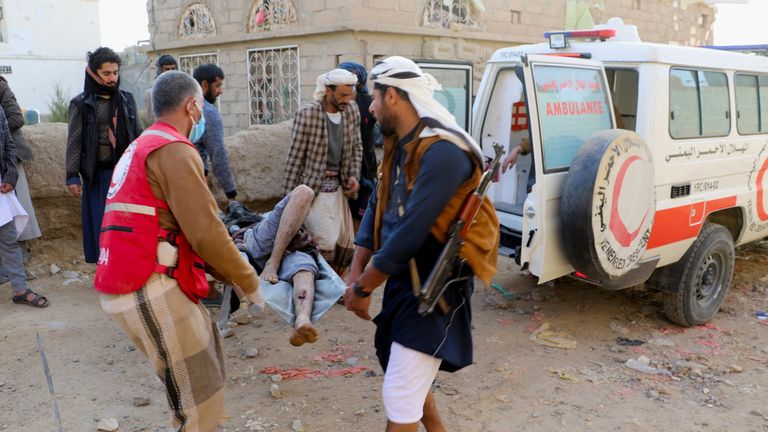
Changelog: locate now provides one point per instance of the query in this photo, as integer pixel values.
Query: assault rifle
(431, 294)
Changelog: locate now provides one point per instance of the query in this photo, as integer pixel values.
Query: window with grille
(188, 63)
(273, 84)
(270, 14)
(196, 21)
(447, 13)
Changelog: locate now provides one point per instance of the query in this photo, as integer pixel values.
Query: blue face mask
(198, 128)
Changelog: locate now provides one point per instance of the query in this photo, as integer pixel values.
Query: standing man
(325, 155)
(430, 166)
(164, 63)
(367, 122)
(160, 225)
(12, 220)
(102, 122)
(15, 118)
(211, 78)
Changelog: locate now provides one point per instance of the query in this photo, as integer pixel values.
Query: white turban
(404, 74)
(334, 77)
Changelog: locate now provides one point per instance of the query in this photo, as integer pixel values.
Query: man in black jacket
(102, 123)
(369, 163)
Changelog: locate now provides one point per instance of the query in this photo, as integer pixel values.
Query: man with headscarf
(325, 155)
(430, 166)
(164, 63)
(368, 170)
(102, 122)
(160, 235)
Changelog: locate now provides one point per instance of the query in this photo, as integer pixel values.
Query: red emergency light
(559, 39)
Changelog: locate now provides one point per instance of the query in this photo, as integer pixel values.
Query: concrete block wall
(330, 31)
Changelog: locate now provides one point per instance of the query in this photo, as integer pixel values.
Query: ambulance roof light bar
(559, 39)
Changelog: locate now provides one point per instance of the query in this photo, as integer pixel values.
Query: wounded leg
(293, 216)
(303, 298)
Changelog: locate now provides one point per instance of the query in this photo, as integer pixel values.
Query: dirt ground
(718, 379)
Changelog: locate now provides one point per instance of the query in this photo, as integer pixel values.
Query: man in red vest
(159, 236)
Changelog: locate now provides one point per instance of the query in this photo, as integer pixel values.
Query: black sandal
(37, 301)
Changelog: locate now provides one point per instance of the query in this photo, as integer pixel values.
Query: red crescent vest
(130, 230)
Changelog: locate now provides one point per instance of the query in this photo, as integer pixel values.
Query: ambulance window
(572, 104)
(623, 85)
(699, 104)
(762, 82)
(747, 104)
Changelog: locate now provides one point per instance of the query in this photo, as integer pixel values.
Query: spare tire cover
(608, 204)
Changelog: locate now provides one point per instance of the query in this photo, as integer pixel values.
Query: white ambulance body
(665, 205)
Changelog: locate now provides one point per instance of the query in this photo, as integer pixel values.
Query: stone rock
(736, 368)
(107, 425)
(226, 332)
(257, 157)
(276, 378)
(55, 269)
(274, 390)
(140, 401)
(251, 352)
(297, 426)
(130, 348)
(241, 316)
(69, 274)
(537, 296)
(662, 342)
(351, 362)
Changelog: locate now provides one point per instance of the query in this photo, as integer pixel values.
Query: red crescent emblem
(761, 213)
(616, 225)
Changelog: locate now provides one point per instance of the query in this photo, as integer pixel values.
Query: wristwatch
(359, 291)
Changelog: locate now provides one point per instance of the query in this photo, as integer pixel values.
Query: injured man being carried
(297, 282)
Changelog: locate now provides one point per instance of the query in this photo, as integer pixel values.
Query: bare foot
(304, 334)
(270, 271)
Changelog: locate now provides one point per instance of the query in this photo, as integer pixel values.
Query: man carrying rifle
(430, 166)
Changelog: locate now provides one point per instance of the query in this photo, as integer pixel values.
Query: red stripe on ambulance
(682, 223)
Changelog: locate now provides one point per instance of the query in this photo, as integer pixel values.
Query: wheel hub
(710, 278)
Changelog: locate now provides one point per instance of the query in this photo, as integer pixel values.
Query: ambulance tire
(599, 188)
(697, 284)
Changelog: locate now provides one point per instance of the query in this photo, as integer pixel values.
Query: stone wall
(257, 157)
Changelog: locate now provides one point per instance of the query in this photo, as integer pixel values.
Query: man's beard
(209, 97)
(386, 125)
(337, 105)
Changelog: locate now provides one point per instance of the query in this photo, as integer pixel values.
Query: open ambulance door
(456, 78)
(568, 100)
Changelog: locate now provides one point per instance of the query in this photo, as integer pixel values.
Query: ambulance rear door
(568, 101)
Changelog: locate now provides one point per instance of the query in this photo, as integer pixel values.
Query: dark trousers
(94, 200)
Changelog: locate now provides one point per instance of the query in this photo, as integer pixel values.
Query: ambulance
(647, 162)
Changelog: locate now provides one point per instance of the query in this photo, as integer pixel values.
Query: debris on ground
(555, 339)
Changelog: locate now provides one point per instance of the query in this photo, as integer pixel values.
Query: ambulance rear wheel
(700, 280)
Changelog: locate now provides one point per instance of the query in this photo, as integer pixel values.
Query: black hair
(96, 59)
(165, 60)
(207, 72)
(400, 92)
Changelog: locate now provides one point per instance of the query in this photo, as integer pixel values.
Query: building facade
(273, 50)
(44, 42)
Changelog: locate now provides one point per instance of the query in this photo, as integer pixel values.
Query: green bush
(58, 105)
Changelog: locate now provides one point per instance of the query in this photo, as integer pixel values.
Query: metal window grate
(267, 15)
(273, 84)
(445, 14)
(188, 63)
(196, 21)
(679, 191)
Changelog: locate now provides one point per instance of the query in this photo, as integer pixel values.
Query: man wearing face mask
(159, 237)
(211, 145)
(102, 122)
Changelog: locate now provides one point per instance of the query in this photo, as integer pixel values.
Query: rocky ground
(709, 378)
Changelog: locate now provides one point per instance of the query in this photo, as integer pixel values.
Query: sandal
(37, 300)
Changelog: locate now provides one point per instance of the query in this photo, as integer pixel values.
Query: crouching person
(159, 228)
